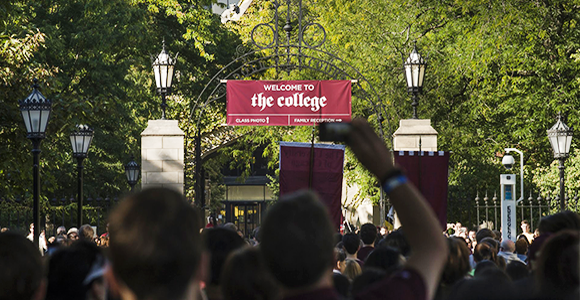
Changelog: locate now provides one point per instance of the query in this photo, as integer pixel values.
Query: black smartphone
(334, 132)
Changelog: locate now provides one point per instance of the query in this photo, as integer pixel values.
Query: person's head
(457, 264)
(483, 266)
(560, 221)
(385, 258)
(297, 240)
(525, 225)
(368, 233)
(230, 226)
(483, 251)
(351, 269)
(245, 276)
(73, 234)
(490, 282)
(497, 235)
(155, 245)
(397, 240)
(61, 230)
(516, 270)
(86, 233)
(76, 272)
(471, 235)
(483, 233)
(220, 242)
(492, 242)
(521, 246)
(21, 275)
(365, 279)
(558, 271)
(351, 243)
(339, 259)
(507, 246)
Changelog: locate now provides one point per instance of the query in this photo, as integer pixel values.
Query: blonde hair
(352, 269)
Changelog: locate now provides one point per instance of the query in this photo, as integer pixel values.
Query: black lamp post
(81, 140)
(35, 110)
(560, 136)
(132, 170)
(163, 66)
(414, 73)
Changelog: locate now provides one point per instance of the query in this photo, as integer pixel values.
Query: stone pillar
(162, 155)
(410, 131)
(414, 135)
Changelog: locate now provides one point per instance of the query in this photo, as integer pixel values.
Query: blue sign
(508, 192)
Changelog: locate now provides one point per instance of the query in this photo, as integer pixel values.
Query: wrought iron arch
(282, 55)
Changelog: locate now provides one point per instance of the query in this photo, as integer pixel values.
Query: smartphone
(334, 132)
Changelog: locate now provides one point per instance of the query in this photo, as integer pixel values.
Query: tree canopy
(498, 73)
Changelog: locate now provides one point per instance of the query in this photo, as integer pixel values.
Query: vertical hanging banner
(320, 170)
(280, 103)
(429, 172)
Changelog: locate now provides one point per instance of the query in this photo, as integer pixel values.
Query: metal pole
(198, 179)
(163, 106)
(36, 190)
(80, 192)
(415, 103)
(562, 189)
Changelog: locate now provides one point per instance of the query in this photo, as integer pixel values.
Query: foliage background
(498, 74)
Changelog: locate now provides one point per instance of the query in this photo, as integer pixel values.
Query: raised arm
(428, 246)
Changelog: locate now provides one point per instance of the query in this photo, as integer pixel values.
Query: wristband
(394, 182)
(395, 172)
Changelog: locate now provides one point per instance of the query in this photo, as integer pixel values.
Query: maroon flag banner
(304, 102)
(327, 168)
(429, 172)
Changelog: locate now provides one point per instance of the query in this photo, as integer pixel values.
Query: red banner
(428, 171)
(304, 102)
(326, 161)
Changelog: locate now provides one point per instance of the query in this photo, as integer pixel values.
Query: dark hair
(517, 270)
(70, 267)
(483, 233)
(397, 240)
(483, 266)
(385, 258)
(496, 235)
(155, 244)
(492, 242)
(484, 251)
(86, 232)
(559, 221)
(491, 283)
(457, 264)
(338, 239)
(297, 240)
(21, 267)
(365, 279)
(521, 246)
(558, 270)
(220, 242)
(351, 243)
(339, 255)
(368, 233)
(245, 277)
(341, 284)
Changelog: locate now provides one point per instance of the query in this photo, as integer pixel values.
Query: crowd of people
(156, 248)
